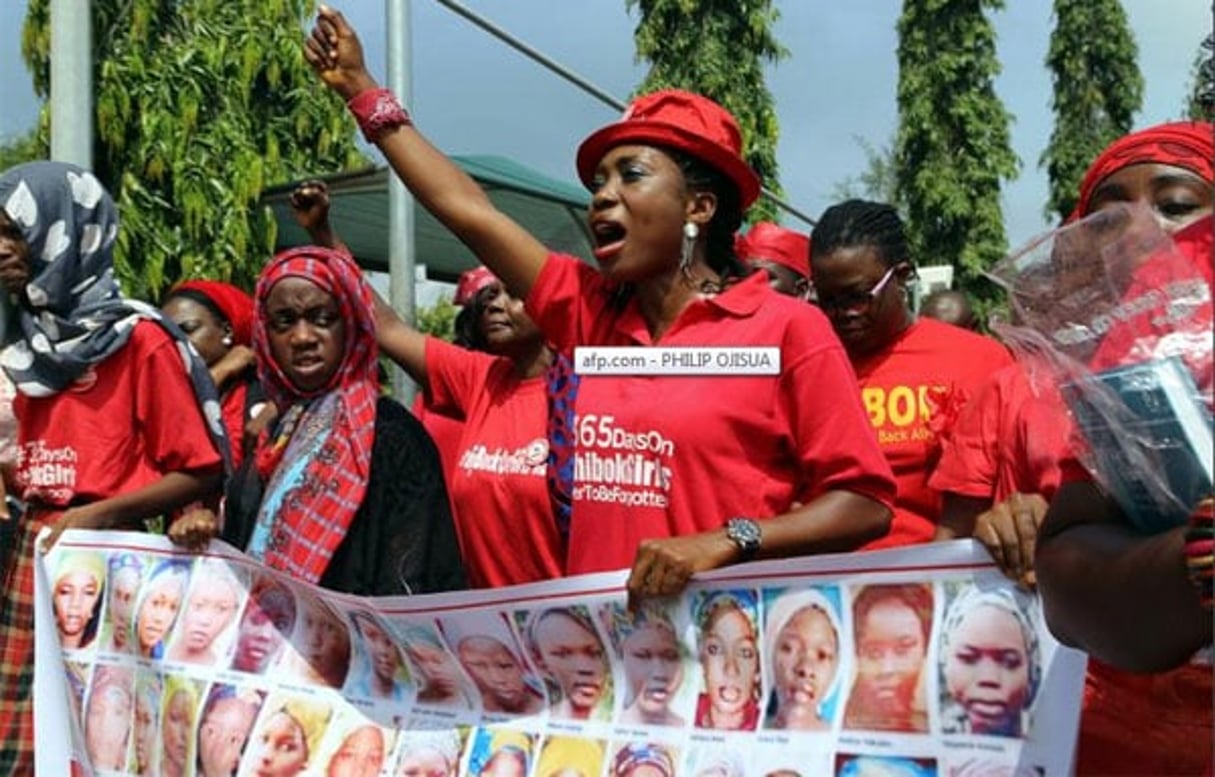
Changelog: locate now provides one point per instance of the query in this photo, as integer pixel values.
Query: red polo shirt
(1008, 439)
(498, 492)
(660, 456)
(913, 390)
(128, 422)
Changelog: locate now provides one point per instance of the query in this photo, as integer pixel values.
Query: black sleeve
(402, 539)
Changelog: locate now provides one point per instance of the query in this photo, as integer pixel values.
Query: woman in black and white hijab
(118, 421)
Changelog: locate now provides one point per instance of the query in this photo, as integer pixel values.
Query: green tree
(438, 320)
(23, 148)
(876, 182)
(200, 104)
(718, 48)
(1201, 103)
(1097, 90)
(952, 149)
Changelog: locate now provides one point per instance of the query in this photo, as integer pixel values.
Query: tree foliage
(200, 104)
(1200, 105)
(1097, 90)
(877, 182)
(718, 48)
(438, 320)
(23, 148)
(952, 148)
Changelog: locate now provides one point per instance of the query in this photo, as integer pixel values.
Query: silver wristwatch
(746, 534)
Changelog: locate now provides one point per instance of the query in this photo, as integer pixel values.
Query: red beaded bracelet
(1200, 550)
(377, 111)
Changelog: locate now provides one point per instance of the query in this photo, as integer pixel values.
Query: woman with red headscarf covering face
(218, 319)
(674, 475)
(1123, 596)
(351, 490)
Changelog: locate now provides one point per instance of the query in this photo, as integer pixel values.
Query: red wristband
(377, 111)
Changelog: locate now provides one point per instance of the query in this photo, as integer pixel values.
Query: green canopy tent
(553, 211)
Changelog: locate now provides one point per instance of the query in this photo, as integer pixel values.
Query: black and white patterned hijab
(73, 315)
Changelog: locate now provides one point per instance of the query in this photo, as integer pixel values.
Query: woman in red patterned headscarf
(348, 491)
(1169, 167)
(1008, 449)
(218, 319)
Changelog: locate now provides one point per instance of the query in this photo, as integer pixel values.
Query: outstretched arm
(334, 52)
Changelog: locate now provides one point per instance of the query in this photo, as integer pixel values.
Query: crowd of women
(259, 419)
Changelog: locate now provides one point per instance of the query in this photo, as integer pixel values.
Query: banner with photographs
(912, 663)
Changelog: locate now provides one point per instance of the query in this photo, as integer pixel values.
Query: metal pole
(577, 80)
(72, 82)
(401, 262)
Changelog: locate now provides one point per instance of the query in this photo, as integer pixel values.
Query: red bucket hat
(682, 120)
(775, 243)
(472, 281)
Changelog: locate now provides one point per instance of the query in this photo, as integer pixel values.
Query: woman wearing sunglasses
(914, 373)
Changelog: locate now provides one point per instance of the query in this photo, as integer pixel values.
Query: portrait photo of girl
(802, 649)
(654, 664)
(122, 587)
(76, 590)
(891, 624)
(287, 738)
(160, 599)
(501, 753)
(179, 715)
(565, 646)
(990, 662)
(491, 656)
(728, 648)
(107, 717)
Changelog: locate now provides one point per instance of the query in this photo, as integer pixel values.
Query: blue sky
(472, 94)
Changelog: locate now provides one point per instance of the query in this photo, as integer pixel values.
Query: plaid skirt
(17, 654)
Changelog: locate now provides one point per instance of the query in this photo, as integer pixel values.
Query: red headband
(1185, 144)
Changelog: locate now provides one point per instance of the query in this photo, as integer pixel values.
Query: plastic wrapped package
(1118, 315)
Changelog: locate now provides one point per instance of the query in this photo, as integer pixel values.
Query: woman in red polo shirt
(674, 475)
(112, 428)
(915, 373)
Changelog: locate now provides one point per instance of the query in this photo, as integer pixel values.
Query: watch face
(744, 531)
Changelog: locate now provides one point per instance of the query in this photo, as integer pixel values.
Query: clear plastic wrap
(1117, 315)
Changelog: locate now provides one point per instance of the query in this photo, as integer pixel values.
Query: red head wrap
(776, 244)
(233, 304)
(472, 281)
(310, 521)
(1185, 144)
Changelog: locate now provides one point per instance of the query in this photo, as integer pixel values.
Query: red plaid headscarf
(314, 517)
(1185, 144)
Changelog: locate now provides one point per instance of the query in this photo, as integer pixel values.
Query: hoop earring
(690, 232)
